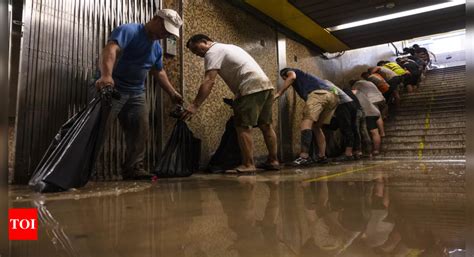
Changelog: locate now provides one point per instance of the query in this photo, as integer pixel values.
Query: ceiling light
(397, 15)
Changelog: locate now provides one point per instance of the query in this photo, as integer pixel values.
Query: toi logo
(23, 224)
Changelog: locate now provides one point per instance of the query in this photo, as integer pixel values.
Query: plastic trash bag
(228, 154)
(181, 155)
(70, 158)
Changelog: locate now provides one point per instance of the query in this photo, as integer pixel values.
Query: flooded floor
(377, 208)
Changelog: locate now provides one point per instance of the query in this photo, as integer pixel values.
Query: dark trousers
(345, 119)
(362, 138)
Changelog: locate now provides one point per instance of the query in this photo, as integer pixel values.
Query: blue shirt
(138, 55)
(306, 83)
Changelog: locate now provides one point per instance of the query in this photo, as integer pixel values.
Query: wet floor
(384, 208)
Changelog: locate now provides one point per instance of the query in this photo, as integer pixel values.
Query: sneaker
(343, 158)
(301, 161)
(322, 160)
(137, 174)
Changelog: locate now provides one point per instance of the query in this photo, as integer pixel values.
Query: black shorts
(371, 122)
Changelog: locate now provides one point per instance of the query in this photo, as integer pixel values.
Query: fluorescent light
(397, 15)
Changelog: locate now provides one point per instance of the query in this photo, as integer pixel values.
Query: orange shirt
(378, 80)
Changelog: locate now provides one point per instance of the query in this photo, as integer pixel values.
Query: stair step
(435, 93)
(459, 124)
(434, 102)
(426, 152)
(417, 139)
(427, 145)
(460, 97)
(429, 132)
(433, 108)
(433, 113)
(422, 120)
(440, 115)
(454, 83)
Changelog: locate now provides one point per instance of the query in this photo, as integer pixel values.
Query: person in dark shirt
(321, 102)
(413, 79)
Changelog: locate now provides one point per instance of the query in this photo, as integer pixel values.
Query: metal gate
(62, 41)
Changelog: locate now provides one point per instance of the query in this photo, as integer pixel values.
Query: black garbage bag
(181, 155)
(70, 158)
(228, 154)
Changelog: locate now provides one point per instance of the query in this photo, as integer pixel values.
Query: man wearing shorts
(371, 91)
(253, 95)
(321, 102)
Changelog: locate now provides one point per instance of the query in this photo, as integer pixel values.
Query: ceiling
(320, 14)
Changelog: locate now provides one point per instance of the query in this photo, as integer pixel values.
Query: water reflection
(404, 209)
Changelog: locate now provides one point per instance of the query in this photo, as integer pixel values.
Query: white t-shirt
(370, 90)
(237, 68)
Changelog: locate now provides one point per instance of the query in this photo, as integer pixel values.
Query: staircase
(431, 123)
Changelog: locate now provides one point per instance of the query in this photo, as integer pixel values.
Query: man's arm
(291, 77)
(107, 62)
(204, 91)
(165, 84)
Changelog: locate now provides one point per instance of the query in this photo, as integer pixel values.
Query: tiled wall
(223, 23)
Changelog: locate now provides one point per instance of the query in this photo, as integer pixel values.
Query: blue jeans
(132, 113)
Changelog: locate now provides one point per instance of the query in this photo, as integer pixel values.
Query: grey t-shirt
(368, 108)
(370, 90)
(343, 97)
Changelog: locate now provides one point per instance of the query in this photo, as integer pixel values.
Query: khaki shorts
(320, 105)
(254, 109)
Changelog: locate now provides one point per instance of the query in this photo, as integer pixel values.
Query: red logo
(23, 224)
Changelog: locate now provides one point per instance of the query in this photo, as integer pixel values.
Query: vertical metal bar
(5, 30)
(284, 126)
(46, 113)
(20, 139)
(181, 54)
(37, 84)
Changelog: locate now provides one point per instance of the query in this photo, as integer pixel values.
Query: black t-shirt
(305, 83)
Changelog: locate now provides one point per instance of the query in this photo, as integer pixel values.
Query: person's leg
(343, 117)
(357, 139)
(318, 109)
(265, 120)
(269, 136)
(247, 111)
(320, 141)
(306, 137)
(115, 108)
(380, 126)
(364, 133)
(376, 141)
(244, 135)
(134, 120)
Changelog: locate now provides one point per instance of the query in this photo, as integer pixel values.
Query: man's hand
(189, 112)
(177, 98)
(104, 82)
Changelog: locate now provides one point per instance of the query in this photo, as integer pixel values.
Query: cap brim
(171, 28)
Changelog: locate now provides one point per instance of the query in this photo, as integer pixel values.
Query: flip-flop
(268, 166)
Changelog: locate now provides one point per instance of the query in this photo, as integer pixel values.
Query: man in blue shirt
(132, 51)
(321, 101)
